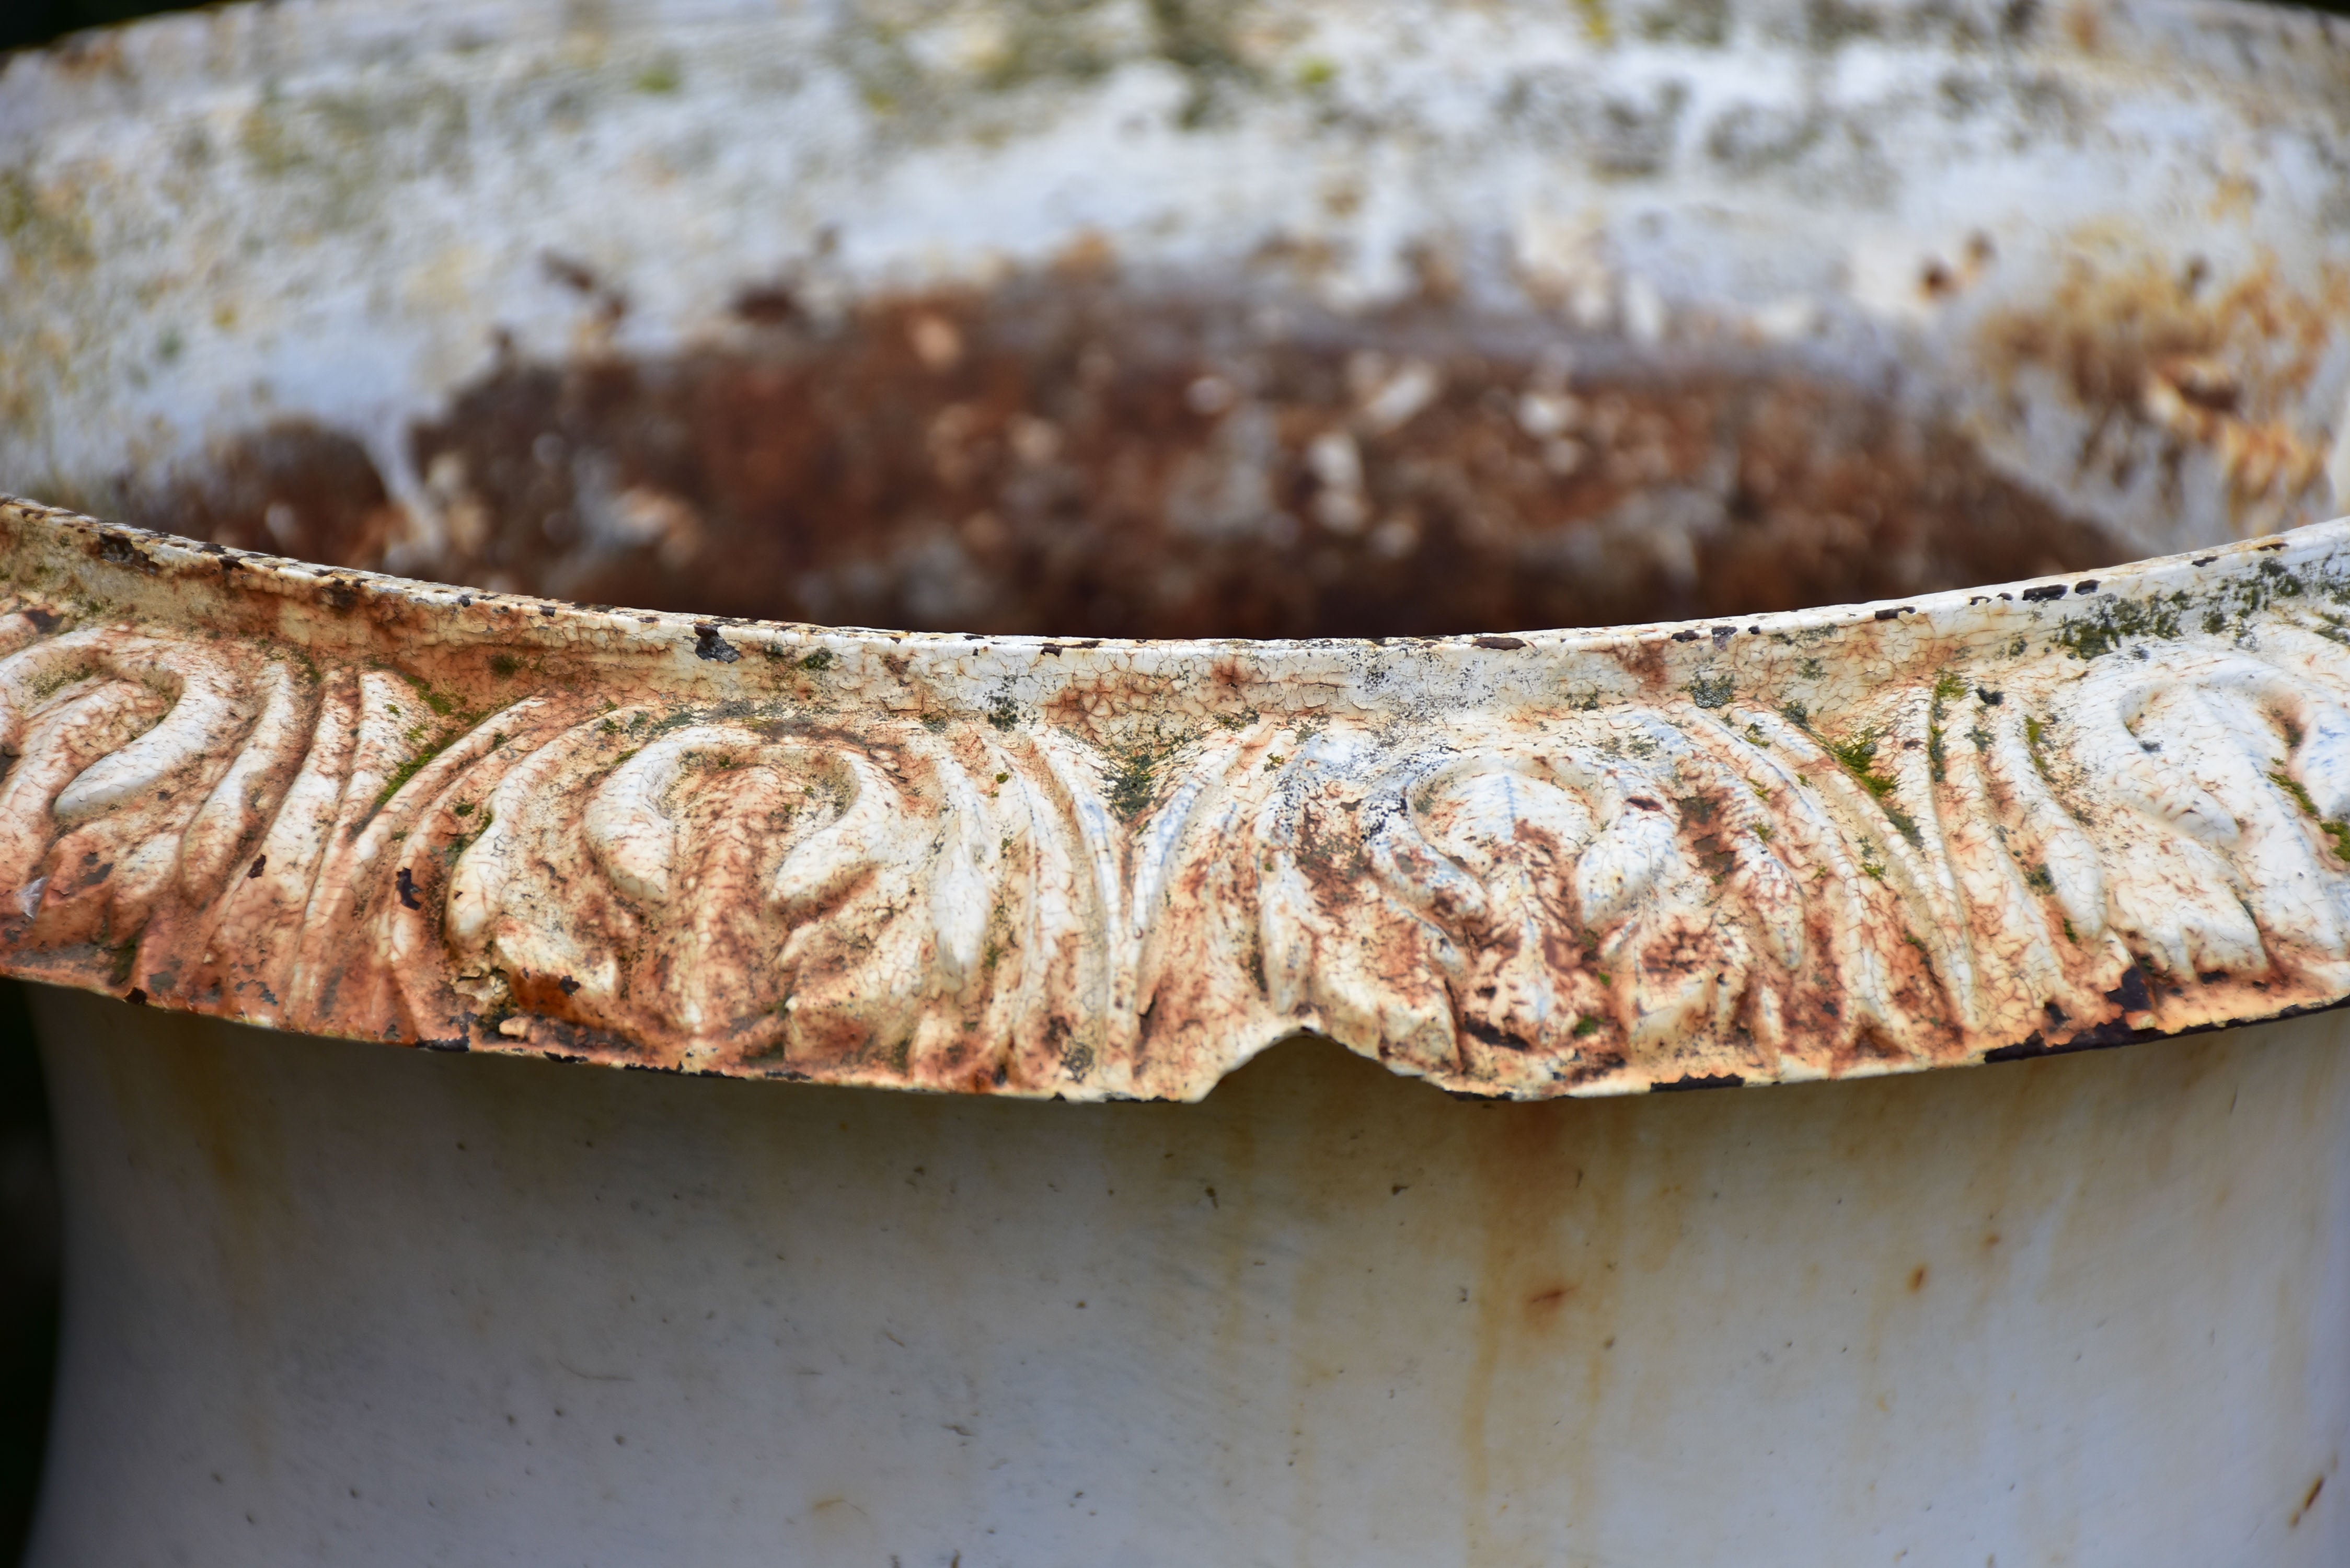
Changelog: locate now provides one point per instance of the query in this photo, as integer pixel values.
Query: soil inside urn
(1062, 456)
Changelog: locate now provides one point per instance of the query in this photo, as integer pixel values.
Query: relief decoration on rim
(1826, 843)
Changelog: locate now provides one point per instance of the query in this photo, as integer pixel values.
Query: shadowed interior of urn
(1061, 456)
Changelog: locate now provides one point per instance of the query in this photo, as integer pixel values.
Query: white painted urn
(465, 451)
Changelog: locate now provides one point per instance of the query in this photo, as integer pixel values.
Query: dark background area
(28, 22)
(29, 1269)
(29, 1228)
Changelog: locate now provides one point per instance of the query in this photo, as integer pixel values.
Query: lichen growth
(1134, 782)
(2114, 621)
(1711, 689)
(1947, 687)
(2035, 739)
(401, 775)
(2337, 834)
(1857, 758)
(37, 228)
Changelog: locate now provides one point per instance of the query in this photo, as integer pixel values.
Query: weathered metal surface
(345, 1304)
(1823, 844)
(1004, 319)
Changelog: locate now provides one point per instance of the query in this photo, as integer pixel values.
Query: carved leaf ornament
(1840, 842)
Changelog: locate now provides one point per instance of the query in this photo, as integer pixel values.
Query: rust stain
(292, 488)
(2083, 25)
(2186, 360)
(1065, 456)
(2308, 1501)
(1552, 1252)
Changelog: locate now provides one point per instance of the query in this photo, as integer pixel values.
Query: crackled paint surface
(1827, 843)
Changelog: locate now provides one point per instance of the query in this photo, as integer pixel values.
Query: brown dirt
(1063, 457)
